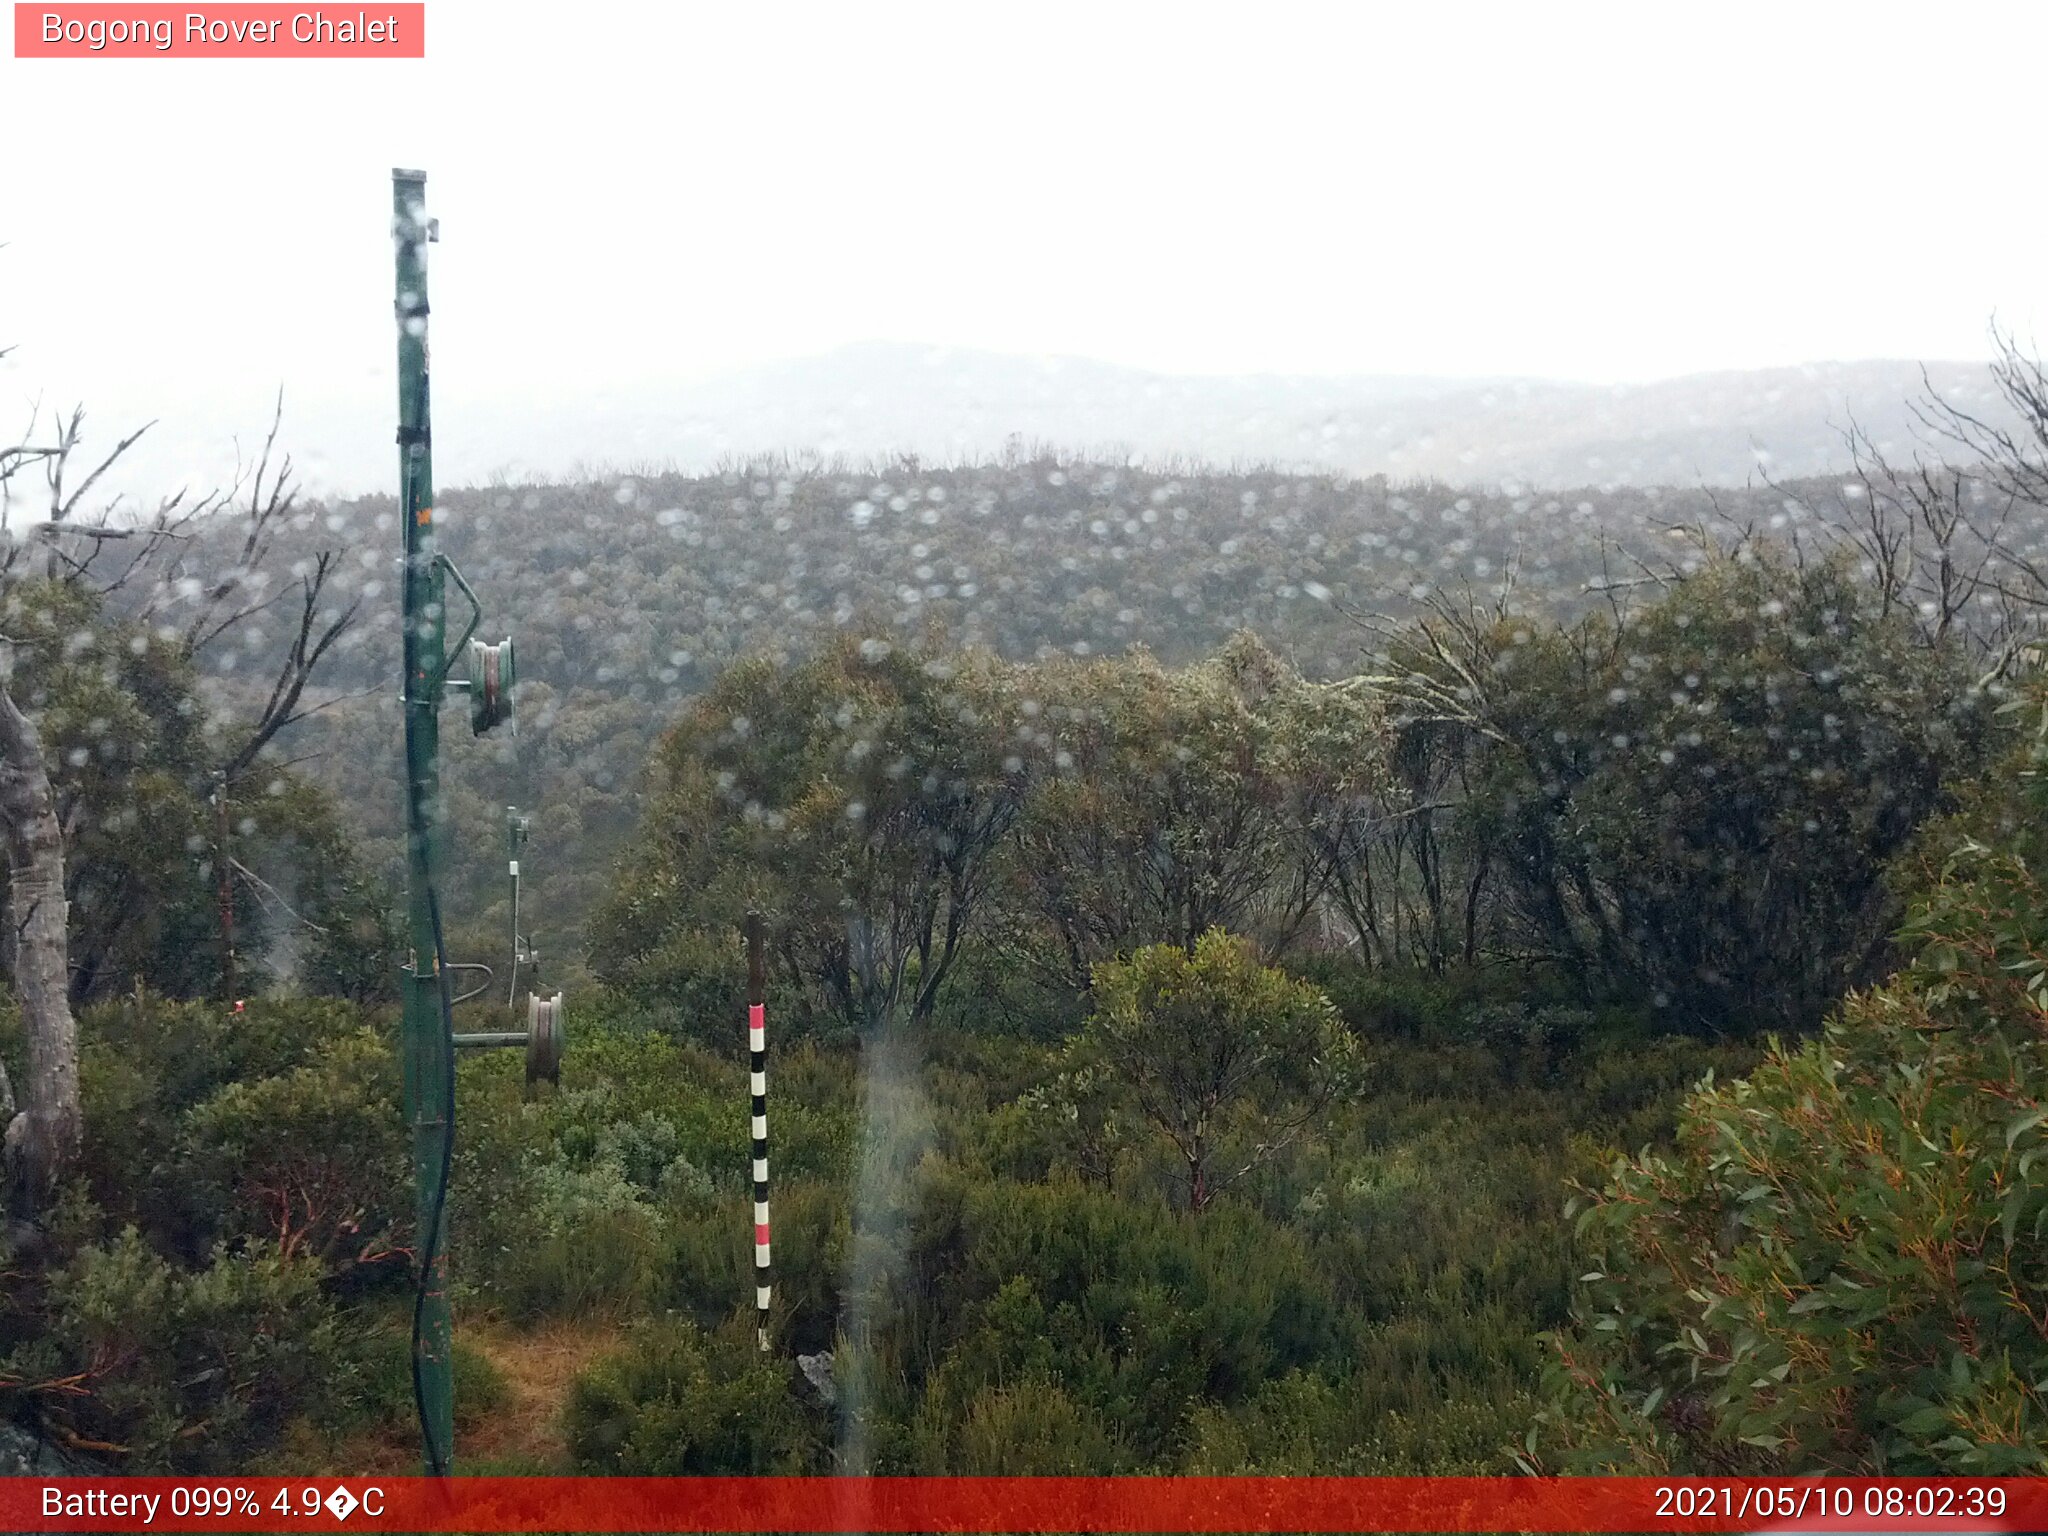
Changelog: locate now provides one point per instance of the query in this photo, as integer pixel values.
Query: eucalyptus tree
(1696, 796)
(857, 798)
(1229, 794)
(1226, 1060)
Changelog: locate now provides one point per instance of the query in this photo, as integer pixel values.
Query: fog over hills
(947, 405)
(874, 401)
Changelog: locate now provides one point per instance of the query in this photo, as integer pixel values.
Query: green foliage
(710, 1261)
(857, 799)
(1611, 797)
(1837, 1268)
(1364, 1299)
(1307, 1425)
(1368, 1297)
(244, 1175)
(1697, 801)
(1224, 1058)
(680, 1403)
(1137, 1312)
(1028, 1428)
(592, 1246)
(633, 591)
(175, 1369)
(384, 1399)
(1219, 795)
(313, 1160)
(345, 941)
(694, 979)
(572, 1202)
(1671, 817)
(1399, 1004)
(1011, 984)
(175, 1097)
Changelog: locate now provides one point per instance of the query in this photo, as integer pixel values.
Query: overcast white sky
(637, 192)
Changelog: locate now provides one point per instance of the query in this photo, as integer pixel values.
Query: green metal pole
(427, 1049)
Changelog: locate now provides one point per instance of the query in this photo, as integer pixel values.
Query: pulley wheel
(491, 678)
(544, 1038)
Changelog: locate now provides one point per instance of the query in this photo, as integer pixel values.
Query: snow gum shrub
(1697, 803)
(694, 979)
(162, 1368)
(313, 1160)
(124, 712)
(166, 1092)
(677, 1402)
(183, 1310)
(1138, 1312)
(1223, 1059)
(1838, 1268)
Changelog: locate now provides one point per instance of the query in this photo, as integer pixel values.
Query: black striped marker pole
(757, 1076)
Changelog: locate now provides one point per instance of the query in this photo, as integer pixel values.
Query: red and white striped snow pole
(757, 1076)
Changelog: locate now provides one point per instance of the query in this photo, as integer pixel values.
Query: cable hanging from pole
(438, 1457)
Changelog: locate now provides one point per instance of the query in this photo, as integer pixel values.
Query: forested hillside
(1215, 922)
(629, 593)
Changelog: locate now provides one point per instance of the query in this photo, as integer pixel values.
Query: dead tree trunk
(44, 1132)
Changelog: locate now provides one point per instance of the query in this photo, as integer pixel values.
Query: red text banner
(226, 31)
(1023, 1504)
